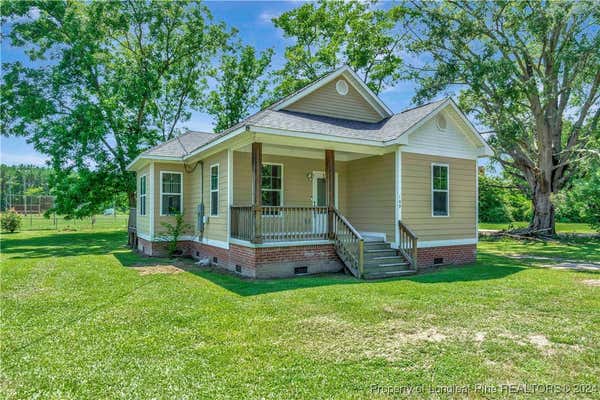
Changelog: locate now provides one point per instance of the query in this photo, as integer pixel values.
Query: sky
(253, 21)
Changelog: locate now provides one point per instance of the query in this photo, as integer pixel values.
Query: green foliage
(240, 85)
(527, 70)
(11, 221)
(107, 80)
(23, 179)
(328, 34)
(501, 202)
(173, 232)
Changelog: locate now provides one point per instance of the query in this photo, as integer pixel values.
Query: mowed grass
(561, 227)
(79, 323)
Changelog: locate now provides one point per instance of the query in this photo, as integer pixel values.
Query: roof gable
(323, 98)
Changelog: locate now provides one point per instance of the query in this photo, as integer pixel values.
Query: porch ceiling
(303, 152)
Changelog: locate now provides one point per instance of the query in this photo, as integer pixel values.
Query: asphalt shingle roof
(182, 145)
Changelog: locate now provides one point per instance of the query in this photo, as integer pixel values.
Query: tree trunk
(543, 211)
(131, 223)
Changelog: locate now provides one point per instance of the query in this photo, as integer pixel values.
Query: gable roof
(180, 146)
(361, 87)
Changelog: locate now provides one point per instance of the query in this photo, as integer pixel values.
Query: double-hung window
(272, 185)
(171, 193)
(142, 193)
(440, 190)
(214, 190)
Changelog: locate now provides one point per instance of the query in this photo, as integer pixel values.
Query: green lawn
(561, 227)
(79, 323)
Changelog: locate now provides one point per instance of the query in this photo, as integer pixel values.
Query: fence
(34, 222)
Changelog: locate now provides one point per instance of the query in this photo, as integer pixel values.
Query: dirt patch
(591, 282)
(479, 337)
(158, 269)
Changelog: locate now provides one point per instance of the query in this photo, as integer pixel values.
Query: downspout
(201, 211)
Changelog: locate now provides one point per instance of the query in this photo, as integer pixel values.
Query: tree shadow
(63, 244)
(488, 267)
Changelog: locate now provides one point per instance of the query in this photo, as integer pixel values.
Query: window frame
(211, 190)
(143, 196)
(273, 190)
(447, 191)
(170, 193)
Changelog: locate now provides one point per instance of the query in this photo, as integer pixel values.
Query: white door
(319, 199)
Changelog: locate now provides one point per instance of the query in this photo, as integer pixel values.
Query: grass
(78, 322)
(561, 227)
(36, 222)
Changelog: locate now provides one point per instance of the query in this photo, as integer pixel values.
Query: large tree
(105, 81)
(528, 70)
(328, 34)
(240, 85)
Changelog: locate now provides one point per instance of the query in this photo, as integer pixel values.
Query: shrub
(173, 232)
(11, 221)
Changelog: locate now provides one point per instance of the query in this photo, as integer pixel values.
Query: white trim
(144, 236)
(282, 191)
(398, 193)
(321, 174)
(145, 196)
(375, 102)
(279, 244)
(434, 164)
(211, 190)
(448, 153)
(152, 198)
(229, 190)
(443, 243)
(161, 192)
(476, 200)
(316, 136)
(148, 157)
(212, 242)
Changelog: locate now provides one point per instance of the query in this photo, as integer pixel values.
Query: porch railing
(408, 244)
(349, 244)
(279, 224)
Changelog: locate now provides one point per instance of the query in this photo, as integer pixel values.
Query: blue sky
(253, 20)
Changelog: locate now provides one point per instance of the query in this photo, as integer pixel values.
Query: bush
(11, 221)
(173, 232)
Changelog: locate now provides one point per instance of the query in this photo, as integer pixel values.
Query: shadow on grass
(63, 244)
(111, 242)
(489, 267)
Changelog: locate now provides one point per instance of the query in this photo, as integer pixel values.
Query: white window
(214, 190)
(440, 190)
(272, 185)
(171, 199)
(142, 193)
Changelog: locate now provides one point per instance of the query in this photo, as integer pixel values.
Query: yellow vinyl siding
(159, 229)
(371, 198)
(143, 221)
(297, 189)
(327, 101)
(216, 227)
(417, 200)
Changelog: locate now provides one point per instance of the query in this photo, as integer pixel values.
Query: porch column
(256, 190)
(330, 184)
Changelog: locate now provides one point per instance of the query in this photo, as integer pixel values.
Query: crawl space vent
(438, 260)
(300, 270)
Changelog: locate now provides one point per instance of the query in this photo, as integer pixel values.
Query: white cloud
(266, 16)
(15, 159)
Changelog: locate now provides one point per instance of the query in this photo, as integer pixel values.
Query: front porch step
(376, 253)
(386, 268)
(388, 274)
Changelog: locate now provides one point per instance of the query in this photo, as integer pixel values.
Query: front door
(319, 199)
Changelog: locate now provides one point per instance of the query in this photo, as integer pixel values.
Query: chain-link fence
(40, 222)
(26, 205)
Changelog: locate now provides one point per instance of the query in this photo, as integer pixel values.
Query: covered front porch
(285, 195)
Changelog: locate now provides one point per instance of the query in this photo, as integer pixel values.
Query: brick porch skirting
(259, 262)
(463, 254)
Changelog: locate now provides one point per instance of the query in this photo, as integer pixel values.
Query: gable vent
(341, 87)
(441, 122)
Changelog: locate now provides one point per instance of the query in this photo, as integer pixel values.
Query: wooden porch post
(256, 190)
(330, 183)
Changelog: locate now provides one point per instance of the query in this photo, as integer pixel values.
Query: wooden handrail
(408, 244)
(349, 244)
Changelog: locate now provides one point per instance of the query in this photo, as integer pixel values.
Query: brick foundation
(279, 262)
(463, 254)
(260, 262)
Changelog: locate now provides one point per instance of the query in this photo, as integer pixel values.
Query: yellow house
(325, 179)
